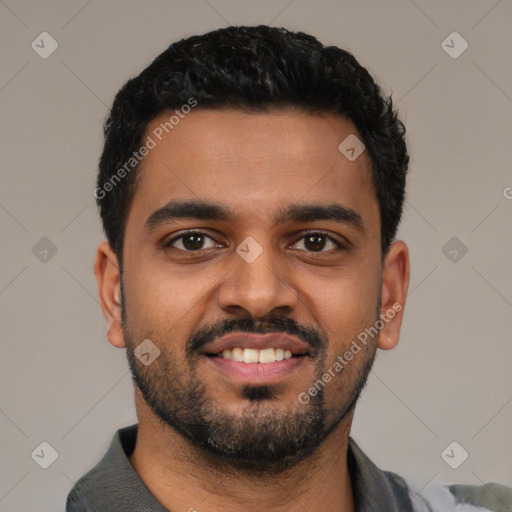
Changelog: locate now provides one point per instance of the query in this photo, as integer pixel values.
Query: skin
(254, 164)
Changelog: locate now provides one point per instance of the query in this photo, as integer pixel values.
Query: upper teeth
(253, 355)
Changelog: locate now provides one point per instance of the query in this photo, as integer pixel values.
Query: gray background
(448, 380)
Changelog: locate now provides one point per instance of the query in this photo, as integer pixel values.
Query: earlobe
(106, 270)
(395, 283)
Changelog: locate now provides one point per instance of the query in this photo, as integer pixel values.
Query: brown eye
(317, 242)
(190, 241)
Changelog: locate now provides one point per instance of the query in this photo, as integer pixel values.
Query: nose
(259, 287)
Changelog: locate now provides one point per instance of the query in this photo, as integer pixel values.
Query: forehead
(253, 162)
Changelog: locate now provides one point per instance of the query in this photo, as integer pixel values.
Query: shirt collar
(374, 490)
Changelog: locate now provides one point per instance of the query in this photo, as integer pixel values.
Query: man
(250, 187)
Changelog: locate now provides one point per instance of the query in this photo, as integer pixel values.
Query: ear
(106, 270)
(395, 283)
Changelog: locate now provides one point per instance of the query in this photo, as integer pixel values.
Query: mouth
(253, 355)
(257, 359)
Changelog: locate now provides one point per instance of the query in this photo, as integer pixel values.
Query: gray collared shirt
(114, 486)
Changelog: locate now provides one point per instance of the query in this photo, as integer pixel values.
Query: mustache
(270, 324)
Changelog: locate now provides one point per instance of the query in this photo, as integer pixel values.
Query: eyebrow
(203, 210)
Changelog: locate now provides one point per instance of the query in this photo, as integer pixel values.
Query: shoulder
(91, 489)
(439, 497)
(77, 501)
(375, 489)
(110, 481)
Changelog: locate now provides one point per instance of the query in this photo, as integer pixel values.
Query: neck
(182, 477)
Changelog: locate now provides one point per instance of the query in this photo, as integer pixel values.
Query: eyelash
(168, 244)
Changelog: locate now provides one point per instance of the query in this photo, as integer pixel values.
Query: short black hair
(254, 69)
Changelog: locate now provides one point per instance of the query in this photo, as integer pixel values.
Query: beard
(262, 437)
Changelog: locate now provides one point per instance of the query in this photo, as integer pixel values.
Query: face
(254, 223)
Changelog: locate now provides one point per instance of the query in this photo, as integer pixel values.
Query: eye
(319, 242)
(194, 241)
(190, 241)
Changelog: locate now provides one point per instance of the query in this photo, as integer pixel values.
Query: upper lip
(257, 341)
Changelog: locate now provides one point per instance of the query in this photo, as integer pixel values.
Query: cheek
(345, 305)
(164, 300)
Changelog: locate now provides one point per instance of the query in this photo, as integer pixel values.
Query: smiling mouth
(252, 355)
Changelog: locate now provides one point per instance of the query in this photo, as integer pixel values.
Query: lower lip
(258, 372)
